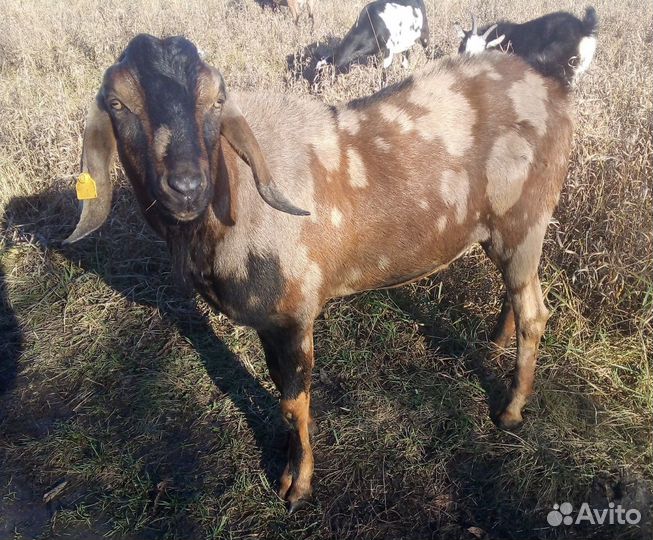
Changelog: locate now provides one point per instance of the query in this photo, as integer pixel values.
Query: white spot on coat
(312, 280)
(454, 190)
(529, 100)
(450, 116)
(354, 275)
(586, 50)
(507, 170)
(326, 144)
(393, 114)
(381, 144)
(162, 138)
(526, 256)
(336, 217)
(307, 344)
(356, 169)
(349, 121)
(480, 234)
(474, 68)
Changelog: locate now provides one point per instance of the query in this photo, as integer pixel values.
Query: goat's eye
(116, 104)
(217, 105)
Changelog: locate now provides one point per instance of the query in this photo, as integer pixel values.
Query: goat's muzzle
(183, 194)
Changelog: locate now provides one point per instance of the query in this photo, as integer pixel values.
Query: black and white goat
(387, 26)
(558, 44)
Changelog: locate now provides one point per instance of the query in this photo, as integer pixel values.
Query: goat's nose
(185, 184)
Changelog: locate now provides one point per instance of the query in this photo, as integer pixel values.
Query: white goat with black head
(558, 44)
(389, 27)
(384, 190)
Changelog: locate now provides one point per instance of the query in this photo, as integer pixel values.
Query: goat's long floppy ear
(236, 130)
(98, 149)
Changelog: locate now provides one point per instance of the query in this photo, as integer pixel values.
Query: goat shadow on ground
(11, 341)
(488, 504)
(477, 477)
(495, 389)
(47, 218)
(38, 219)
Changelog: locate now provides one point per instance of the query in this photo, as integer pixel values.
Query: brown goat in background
(297, 6)
(271, 205)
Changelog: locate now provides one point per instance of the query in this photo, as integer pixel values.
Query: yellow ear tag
(86, 188)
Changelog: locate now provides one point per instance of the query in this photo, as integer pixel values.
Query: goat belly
(394, 268)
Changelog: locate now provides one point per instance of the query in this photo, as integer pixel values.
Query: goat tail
(590, 22)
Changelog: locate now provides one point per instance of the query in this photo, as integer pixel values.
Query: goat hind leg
(530, 316)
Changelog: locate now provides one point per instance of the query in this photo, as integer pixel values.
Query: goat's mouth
(185, 209)
(187, 216)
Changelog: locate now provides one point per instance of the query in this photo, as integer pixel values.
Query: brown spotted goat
(272, 204)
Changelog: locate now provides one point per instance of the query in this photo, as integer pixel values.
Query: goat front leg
(289, 355)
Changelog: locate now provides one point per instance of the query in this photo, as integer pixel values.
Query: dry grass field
(159, 414)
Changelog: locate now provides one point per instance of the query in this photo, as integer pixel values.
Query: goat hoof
(509, 421)
(297, 497)
(297, 504)
(292, 492)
